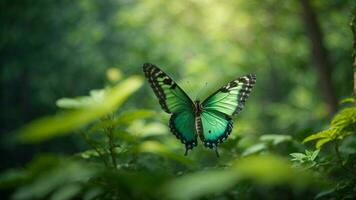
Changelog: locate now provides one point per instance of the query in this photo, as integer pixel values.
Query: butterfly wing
(183, 127)
(231, 98)
(221, 106)
(173, 100)
(216, 128)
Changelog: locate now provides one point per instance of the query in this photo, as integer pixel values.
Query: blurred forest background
(116, 144)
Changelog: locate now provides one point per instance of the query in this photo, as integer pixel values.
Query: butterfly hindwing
(231, 98)
(173, 100)
(183, 127)
(216, 128)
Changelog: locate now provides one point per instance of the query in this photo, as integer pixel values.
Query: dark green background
(54, 49)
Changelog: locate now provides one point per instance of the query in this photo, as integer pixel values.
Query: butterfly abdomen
(198, 109)
(199, 127)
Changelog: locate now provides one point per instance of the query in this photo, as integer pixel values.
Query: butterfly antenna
(216, 151)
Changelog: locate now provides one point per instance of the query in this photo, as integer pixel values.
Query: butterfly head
(198, 108)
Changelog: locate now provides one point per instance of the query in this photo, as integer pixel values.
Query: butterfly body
(198, 108)
(210, 119)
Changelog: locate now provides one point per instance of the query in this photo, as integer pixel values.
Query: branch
(319, 54)
(353, 29)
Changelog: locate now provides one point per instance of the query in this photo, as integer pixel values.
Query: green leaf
(158, 148)
(298, 157)
(275, 139)
(199, 184)
(337, 130)
(315, 154)
(322, 134)
(321, 142)
(125, 118)
(96, 97)
(13, 178)
(254, 149)
(64, 172)
(347, 100)
(51, 126)
(128, 117)
(66, 192)
(344, 118)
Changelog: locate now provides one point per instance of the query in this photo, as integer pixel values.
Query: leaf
(315, 154)
(307, 157)
(141, 129)
(254, 149)
(51, 126)
(128, 117)
(88, 154)
(348, 100)
(63, 173)
(262, 169)
(345, 117)
(199, 184)
(276, 139)
(12, 178)
(298, 157)
(96, 97)
(92, 193)
(337, 130)
(322, 134)
(158, 148)
(321, 142)
(66, 192)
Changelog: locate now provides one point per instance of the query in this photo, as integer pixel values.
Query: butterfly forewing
(173, 100)
(171, 97)
(231, 98)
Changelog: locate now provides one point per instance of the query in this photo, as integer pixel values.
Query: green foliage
(342, 125)
(88, 109)
(307, 158)
(266, 142)
(259, 169)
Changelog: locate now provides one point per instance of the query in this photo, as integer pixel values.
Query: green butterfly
(210, 119)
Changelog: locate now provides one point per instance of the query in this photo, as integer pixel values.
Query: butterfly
(210, 119)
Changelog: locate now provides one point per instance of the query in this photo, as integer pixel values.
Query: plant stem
(86, 139)
(112, 146)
